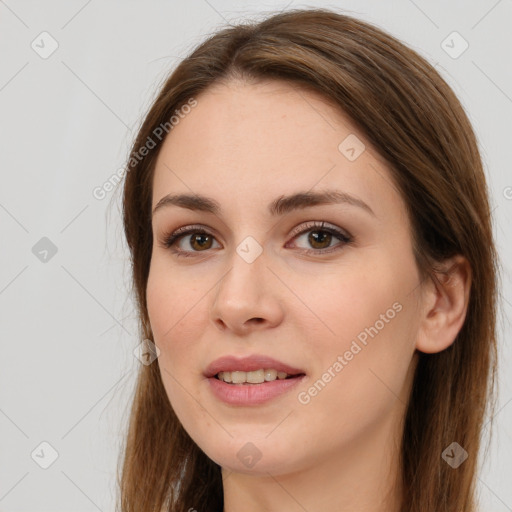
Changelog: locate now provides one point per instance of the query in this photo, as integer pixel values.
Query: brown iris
(319, 237)
(204, 241)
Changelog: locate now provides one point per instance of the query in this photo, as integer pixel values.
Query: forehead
(245, 142)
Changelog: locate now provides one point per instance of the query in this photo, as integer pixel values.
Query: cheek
(170, 305)
(344, 399)
(340, 305)
(176, 317)
(170, 299)
(369, 320)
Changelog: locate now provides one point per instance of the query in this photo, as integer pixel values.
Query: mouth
(261, 376)
(252, 380)
(253, 369)
(246, 394)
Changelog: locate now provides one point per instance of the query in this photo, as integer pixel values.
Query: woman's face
(338, 304)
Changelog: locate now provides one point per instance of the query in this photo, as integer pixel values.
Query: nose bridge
(245, 280)
(245, 291)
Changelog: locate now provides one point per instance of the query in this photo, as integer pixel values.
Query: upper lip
(248, 364)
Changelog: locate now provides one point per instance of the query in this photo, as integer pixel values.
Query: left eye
(319, 237)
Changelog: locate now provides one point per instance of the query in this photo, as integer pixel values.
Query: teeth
(256, 377)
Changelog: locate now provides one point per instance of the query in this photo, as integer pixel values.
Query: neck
(361, 477)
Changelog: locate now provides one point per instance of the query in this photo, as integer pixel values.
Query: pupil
(315, 238)
(200, 238)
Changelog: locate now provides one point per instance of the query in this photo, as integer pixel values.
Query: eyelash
(171, 238)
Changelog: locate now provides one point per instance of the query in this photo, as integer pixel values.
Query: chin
(253, 458)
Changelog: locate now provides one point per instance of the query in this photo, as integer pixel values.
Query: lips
(249, 364)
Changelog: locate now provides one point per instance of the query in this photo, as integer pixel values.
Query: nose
(247, 297)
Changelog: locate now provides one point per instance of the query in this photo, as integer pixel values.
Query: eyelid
(189, 227)
(170, 239)
(320, 225)
(296, 231)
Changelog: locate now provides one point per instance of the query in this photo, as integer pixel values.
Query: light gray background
(68, 326)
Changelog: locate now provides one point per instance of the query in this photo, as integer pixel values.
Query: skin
(244, 145)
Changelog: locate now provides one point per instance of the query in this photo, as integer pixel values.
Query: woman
(314, 265)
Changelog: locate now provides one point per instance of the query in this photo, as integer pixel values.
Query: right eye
(201, 240)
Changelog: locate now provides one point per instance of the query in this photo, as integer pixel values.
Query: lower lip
(252, 394)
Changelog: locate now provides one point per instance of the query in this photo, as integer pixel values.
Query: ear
(445, 300)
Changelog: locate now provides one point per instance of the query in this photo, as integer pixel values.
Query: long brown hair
(416, 123)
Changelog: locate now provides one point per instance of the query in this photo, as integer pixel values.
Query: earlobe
(445, 303)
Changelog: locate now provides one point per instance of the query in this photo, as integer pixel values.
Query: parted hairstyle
(413, 119)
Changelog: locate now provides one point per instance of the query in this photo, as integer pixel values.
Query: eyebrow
(279, 206)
